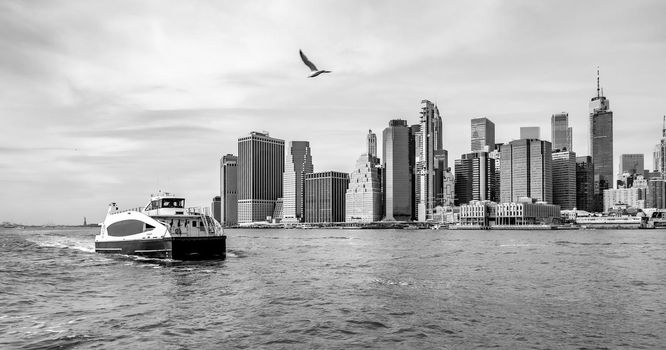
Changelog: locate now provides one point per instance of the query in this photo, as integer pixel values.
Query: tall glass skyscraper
(229, 190)
(560, 131)
(526, 171)
(297, 163)
(483, 135)
(601, 145)
(564, 179)
(260, 170)
(397, 178)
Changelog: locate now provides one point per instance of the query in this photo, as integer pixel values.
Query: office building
(656, 194)
(448, 189)
(601, 145)
(526, 171)
(475, 178)
(530, 132)
(297, 163)
(659, 155)
(216, 208)
(325, 196)
(260, 170)
(564, 179)
(483, 135)
(631, 197)
(397, 177)
(584, 183)
(372, 145)
(414, 140)
(363, 202)
(229, 190)
(429, 141)
(560, 131)
(632, 164)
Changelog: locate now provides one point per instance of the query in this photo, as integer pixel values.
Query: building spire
(598, 95)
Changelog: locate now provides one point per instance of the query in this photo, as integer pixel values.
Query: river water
(340, 289)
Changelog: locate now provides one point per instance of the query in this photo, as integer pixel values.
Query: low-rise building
(478, 213)
(526, 213)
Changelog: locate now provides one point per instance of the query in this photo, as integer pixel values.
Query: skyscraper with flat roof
(632, 164)
(584, 183)
(526, 171)
(483, 135)
(260, 171)
(475, 178)
(560, 131)
(229, 190)
(397, 177)
(325, 196)
(601, 145)
(564, 179)
(297, 163)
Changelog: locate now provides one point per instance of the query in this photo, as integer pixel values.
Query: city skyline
(109, 102)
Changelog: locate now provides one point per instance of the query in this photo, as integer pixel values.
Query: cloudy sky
(107, 101)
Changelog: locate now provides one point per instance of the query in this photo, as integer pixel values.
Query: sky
(110, 101)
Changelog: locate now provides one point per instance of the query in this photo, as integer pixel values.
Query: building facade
(429, 141)
(656, 194)
(363, 202)
(526, 171)
(297, 163)
(483, 135)
(601, 145)
(632, 197)
(475, 178)
(229, 190)
(325, 196)
(584, 183)
(560, 131)
(526, 213)
(564, 179)
(215, 207)
(372, 144)
(260, 170)
(397, 176)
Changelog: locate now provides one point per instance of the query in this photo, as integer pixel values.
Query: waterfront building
(526, 170)
(297, 163)
(526, 213)
(397, 176)
(483, 135)
(631, 197)
(260, 170)
(601, 145)
(229, 190)
(475, 178)
(584, 183)
(215, 207)
(478, 213)
(325, 196)
(530, 132)
(656, 194)
(560, 131)
(278, 211)
(429, 141)
(363, 202)
(564, 179)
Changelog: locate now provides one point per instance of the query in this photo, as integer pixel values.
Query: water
(340, 289)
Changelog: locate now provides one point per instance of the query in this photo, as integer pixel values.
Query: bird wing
(307, 61)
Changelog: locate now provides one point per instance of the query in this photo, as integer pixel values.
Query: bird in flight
(313, 68)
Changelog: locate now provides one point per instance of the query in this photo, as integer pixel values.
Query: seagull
(313, 68)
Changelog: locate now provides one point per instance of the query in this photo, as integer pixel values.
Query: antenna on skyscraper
(598, 82)
(663, 128)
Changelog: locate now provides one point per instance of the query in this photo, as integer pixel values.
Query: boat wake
(51, 241)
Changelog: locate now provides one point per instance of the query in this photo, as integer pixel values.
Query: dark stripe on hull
(179, 248)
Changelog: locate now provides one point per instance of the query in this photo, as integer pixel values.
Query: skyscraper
(475, 178)
(364, 195)
(632, 164)
(530, 132)
(325, 196)
(229, 190)
(397, 179)
(560, 131)
(584, 183)
(660, 152)
(260, 170)
(564, 179)
(601, 145)
(372, 144)
(483, 135)
(430, 137)
(526, 171)
(297, 163)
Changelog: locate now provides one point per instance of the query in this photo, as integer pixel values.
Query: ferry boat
(164, 228)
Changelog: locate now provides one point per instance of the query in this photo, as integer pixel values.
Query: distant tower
(430, 141)
(229, 190)
(483, 135)
(475, 178)
(560, 131)
(364, 194)
(397, 177)
(260, 170)
(584, 183)
(660, 152)
(84, 221)
(564, 179)
(601, 145)
(372, 144)
(297, 163)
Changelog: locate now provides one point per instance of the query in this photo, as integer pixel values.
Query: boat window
(125, 228)
(194, 224)
(149, 227)
(173, 203)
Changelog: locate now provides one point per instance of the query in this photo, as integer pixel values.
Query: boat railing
(139, 209)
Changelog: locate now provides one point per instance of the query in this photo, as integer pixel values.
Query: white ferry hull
(178, 248)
